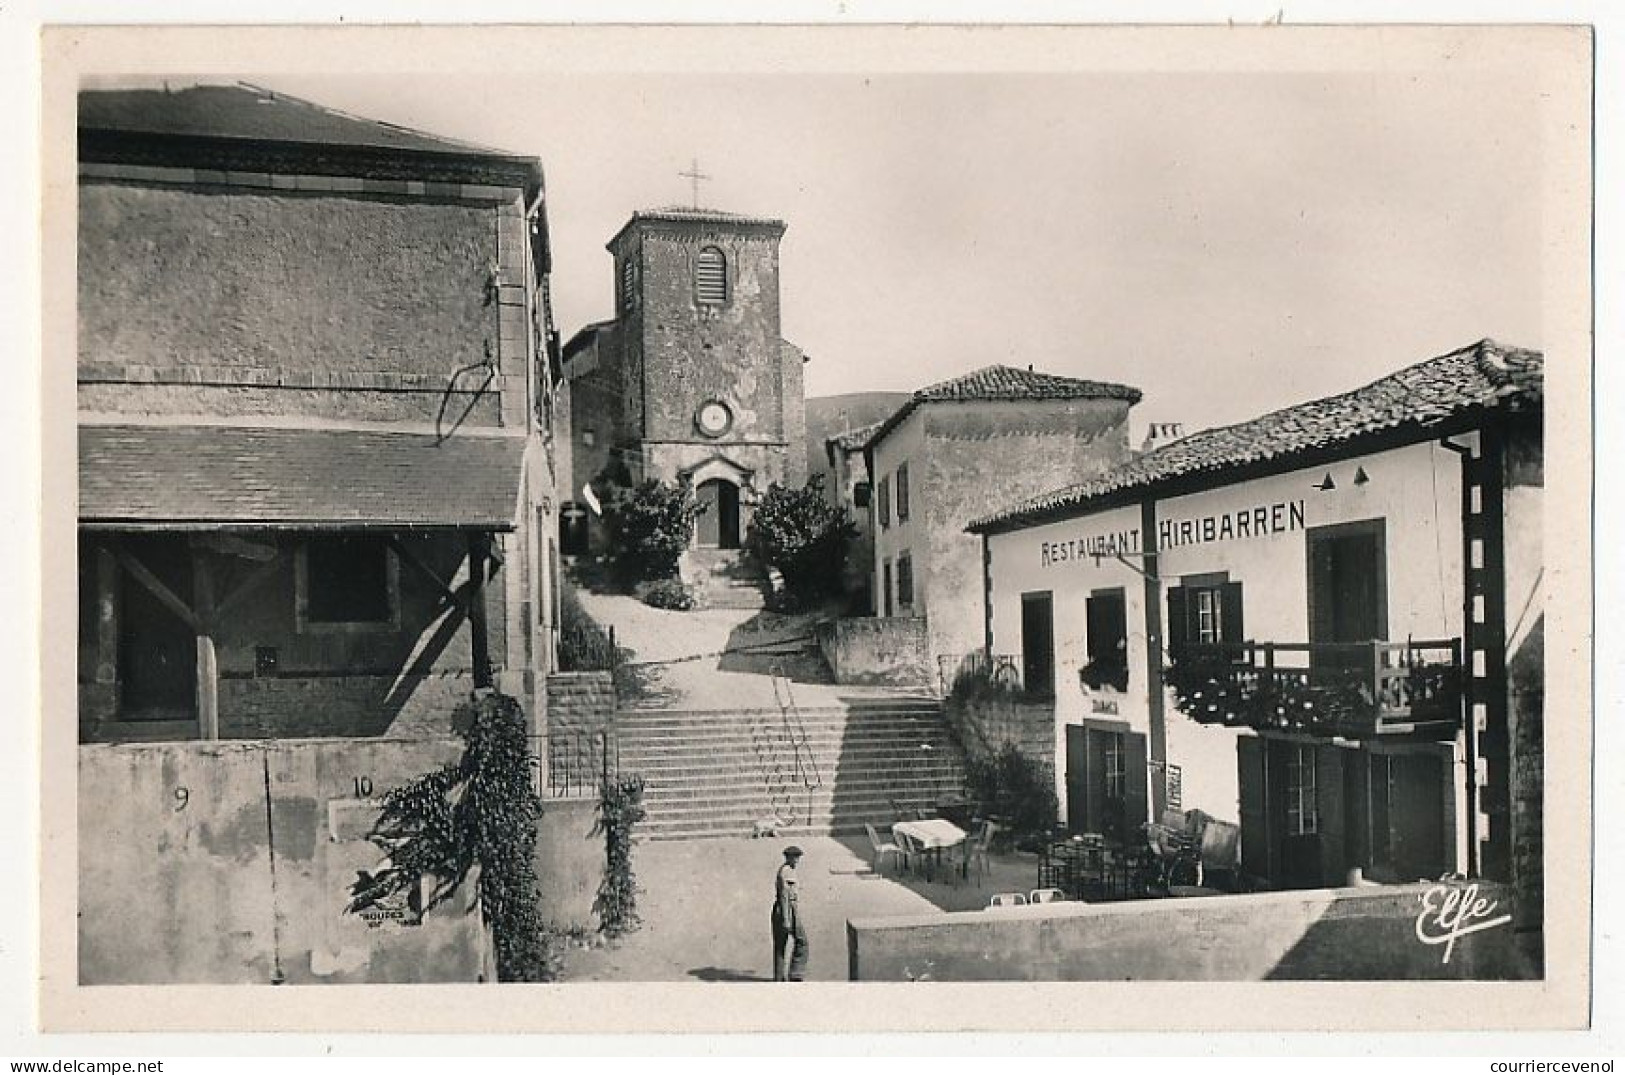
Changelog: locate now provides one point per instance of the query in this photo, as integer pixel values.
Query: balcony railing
(1349, 690)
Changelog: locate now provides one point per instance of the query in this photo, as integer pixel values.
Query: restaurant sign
(1089, 546)
(1260, 520)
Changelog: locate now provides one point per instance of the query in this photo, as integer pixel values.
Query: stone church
(691, 381)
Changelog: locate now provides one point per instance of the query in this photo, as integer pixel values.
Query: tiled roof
(854, 439)
(1483, 376)
(1004, 383)
(249, 112)
(234, 476)
(678, 214)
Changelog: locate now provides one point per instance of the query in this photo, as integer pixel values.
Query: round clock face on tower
(714, 418)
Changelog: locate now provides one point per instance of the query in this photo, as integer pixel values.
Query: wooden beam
(418, 564)
(208, 672)
(243, 588)
(159, 590)
(478, 544)
(1152, 591)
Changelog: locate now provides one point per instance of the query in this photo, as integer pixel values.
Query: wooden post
(1158, 740)
(478, 544)
(208, 672)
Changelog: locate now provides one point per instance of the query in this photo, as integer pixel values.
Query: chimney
(1159, 434)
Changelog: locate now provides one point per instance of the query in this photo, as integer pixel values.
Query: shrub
(802, 536)
(650, 525)
(667, 593)
(584, 645)
(479, 812)
(1016, 788)
(620, 808)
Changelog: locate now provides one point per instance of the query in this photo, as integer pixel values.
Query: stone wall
(581, 701)
(232, 863)
(569, 861)
(1358, 934)
(987, 723)
(868, 650)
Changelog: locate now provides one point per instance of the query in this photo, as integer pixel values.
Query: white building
(1272, 622)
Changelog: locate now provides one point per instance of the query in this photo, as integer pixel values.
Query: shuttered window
(711, 277)
(1204, 613)
(905, 580)
(885, 502)
(902, 492)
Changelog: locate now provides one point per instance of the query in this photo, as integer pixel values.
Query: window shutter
(711, 277)
(1094, 628)
(1329, 803)
(1252, 778)
(1230, 629)
(1094, 790)
(1135, 773)
(1178, 628)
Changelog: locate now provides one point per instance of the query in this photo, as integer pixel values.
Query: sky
(1228, 243)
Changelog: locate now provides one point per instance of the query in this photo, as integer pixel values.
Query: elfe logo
(1451, 913)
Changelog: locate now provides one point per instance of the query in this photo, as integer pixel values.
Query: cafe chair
(1008, 899)
(879, 849)
(1046, 895)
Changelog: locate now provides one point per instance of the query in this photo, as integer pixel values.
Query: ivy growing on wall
(620, 808)
(477, 815)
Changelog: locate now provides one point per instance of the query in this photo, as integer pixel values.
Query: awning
(217, 477)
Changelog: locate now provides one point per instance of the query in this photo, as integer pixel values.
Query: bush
(479, 812)
(650, 526)
(1013, 786)
(584, 645)
(802, 536)
(667, 593)
(620, 808)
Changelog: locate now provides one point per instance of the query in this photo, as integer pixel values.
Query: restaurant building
(1324, 623)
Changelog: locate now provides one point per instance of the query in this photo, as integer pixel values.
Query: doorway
(1105, 780)
(718, 524)
(1038, 644)
(1348, 589)
(157, 650)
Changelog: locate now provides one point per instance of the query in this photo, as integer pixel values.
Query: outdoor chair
(1008, 899)
(907, 848)
(1046, 895)
(879, 849)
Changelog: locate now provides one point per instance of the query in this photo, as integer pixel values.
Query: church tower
(701, 385)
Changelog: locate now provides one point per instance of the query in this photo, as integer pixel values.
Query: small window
(1207, 612)
(348, 580)
(905, 581)
(1116, 768)
(885, 502)
(1302, 791)
(885, 584)
(1106, 621)
(902, 492)
(711, 277)
(629, 281)
(860, 495)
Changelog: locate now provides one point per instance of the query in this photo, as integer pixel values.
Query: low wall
(986, 723)
(232, 862)
(1364, 933)
(581, 701)
(569, 861)
(878, 650)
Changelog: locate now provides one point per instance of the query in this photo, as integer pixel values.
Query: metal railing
(1001, 670)
(580, 761)
(1350, 689)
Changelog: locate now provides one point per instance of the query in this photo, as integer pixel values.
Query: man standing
(787, 926)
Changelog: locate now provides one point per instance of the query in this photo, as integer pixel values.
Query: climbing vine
(477, 813)
(620, 808)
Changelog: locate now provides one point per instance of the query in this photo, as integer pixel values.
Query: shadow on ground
(776, 643)
(724, 974)
(943, 886)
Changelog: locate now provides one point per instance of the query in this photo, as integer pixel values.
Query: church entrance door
(718, 525)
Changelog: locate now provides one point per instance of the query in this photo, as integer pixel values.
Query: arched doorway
(718, 525)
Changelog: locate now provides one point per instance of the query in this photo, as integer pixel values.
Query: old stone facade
(691, 382)
(315, 400)
(955, 450)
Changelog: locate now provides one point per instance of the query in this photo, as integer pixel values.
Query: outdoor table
(932, 835)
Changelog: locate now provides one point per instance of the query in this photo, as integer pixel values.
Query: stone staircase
(719, 773)
(723, 578)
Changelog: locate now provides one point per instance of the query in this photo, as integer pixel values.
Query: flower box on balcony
(1342, 690)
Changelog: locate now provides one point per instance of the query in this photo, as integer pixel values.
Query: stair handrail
(796, 731)
(780, 802)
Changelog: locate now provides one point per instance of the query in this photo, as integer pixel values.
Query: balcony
(1344, 690)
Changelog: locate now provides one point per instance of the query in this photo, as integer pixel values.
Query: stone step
(914, 706)
(698, 726)
(722, 792)
(831, 745)
(712, 764)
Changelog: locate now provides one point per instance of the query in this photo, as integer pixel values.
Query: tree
(802, 536)
(650, 525)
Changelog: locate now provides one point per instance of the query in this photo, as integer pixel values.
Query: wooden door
(1416, 829)
(1347, 588)
(708, 528)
